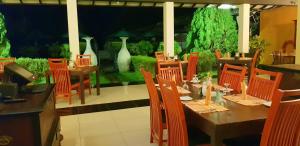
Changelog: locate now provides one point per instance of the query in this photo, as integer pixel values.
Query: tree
(4, 43)
(212, 28)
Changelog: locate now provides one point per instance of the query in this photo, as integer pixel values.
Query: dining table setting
(216, 111)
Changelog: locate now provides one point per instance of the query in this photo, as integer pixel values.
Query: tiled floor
(110, 128)
(108, 95)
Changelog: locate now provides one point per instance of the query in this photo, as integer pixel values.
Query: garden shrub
(57, 50)
(213, 28)
(4, 42)
(177, 48)
(206, 61)
(141, 48)
(148, 63)
(37, 66)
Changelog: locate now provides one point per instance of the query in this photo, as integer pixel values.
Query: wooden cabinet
(30, 123)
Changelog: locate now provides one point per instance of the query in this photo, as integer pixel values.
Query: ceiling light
(226, 6)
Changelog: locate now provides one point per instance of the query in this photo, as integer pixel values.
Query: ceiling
(256, 5)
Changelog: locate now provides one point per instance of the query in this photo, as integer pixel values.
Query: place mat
(182, 90)
(250, 101)
(221, 88)
(200, 107)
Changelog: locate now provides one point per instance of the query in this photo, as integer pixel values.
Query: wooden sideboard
(30, 123)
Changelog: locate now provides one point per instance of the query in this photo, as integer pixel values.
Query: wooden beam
(140, 5)
(125, 3)
(194, 4)
(59, 2)
(93, 3)
(154, 4)
(181, 5)
(21, 1)
(206, 5)
(40, 1)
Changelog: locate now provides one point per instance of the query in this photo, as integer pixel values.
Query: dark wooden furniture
(240, 61)
(238, 121)
(81, 72)
(30, 123)
(291, 74)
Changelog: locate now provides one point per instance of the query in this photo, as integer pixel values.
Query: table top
(34, 103)
(237, 113)
(282, 67)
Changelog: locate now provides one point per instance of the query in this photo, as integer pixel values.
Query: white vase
(124, 57)
(89, 50)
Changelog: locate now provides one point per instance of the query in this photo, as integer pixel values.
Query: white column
(169, 28)
(297, 59)
(244, 26)
(73, 28)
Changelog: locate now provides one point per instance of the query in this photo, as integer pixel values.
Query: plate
(267, 103)
(185, 98)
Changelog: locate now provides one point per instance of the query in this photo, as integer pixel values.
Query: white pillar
(73, 28)
(297, 59)
(169, 28)
(244, 26)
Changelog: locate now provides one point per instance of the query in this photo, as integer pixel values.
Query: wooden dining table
(246, 61)
(81, 72)
(237, 121)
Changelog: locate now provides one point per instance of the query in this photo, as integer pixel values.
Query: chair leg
(151, 137)
(90, 89)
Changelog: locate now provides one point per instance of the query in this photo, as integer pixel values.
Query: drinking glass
(226, 91)
(185, 86)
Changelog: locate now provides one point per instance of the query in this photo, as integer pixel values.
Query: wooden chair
(282, 127)
(157, 125)
(218, 54)
(261, 87)
(254, 60)
(160, 56)
(175, 118)
(277, 58)
(61, 77)
(192, 66)
(170, 70)
(233, 75)
(83, 61)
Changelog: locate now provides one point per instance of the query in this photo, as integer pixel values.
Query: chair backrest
(61, 76)
(4, 61)
(160, 56)
(175, 118)
(233, 75)
(282, 127)
(170, 70)
(218, 54)
(83, 60)
(262, 87)
(192, 66)
(254, 59)
(155, 105)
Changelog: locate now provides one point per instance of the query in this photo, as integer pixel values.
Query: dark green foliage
(148, 63)
(37, 66)
(206, 61)
(177, 48)
(141, 48)
(130, 76)
(57, 50)
(256, 43)
(211, 29)
(4, 43)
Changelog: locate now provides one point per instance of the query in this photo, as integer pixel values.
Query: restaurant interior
(227, 87)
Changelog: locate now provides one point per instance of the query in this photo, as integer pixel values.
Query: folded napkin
(197, 85)
(208, 95)
(244, 94)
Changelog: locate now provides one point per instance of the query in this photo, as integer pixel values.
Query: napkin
(208, 95)
(244, 94)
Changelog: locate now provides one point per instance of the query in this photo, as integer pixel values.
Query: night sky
(43, 25)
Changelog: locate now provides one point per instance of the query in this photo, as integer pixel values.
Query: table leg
(81, 90)
(47, 75)
(98, 81)
(216, 140)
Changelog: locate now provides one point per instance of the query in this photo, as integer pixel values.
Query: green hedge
(148, 63)
(37, 66)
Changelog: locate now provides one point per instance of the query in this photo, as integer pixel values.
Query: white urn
(89, 50)
(124, 57)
